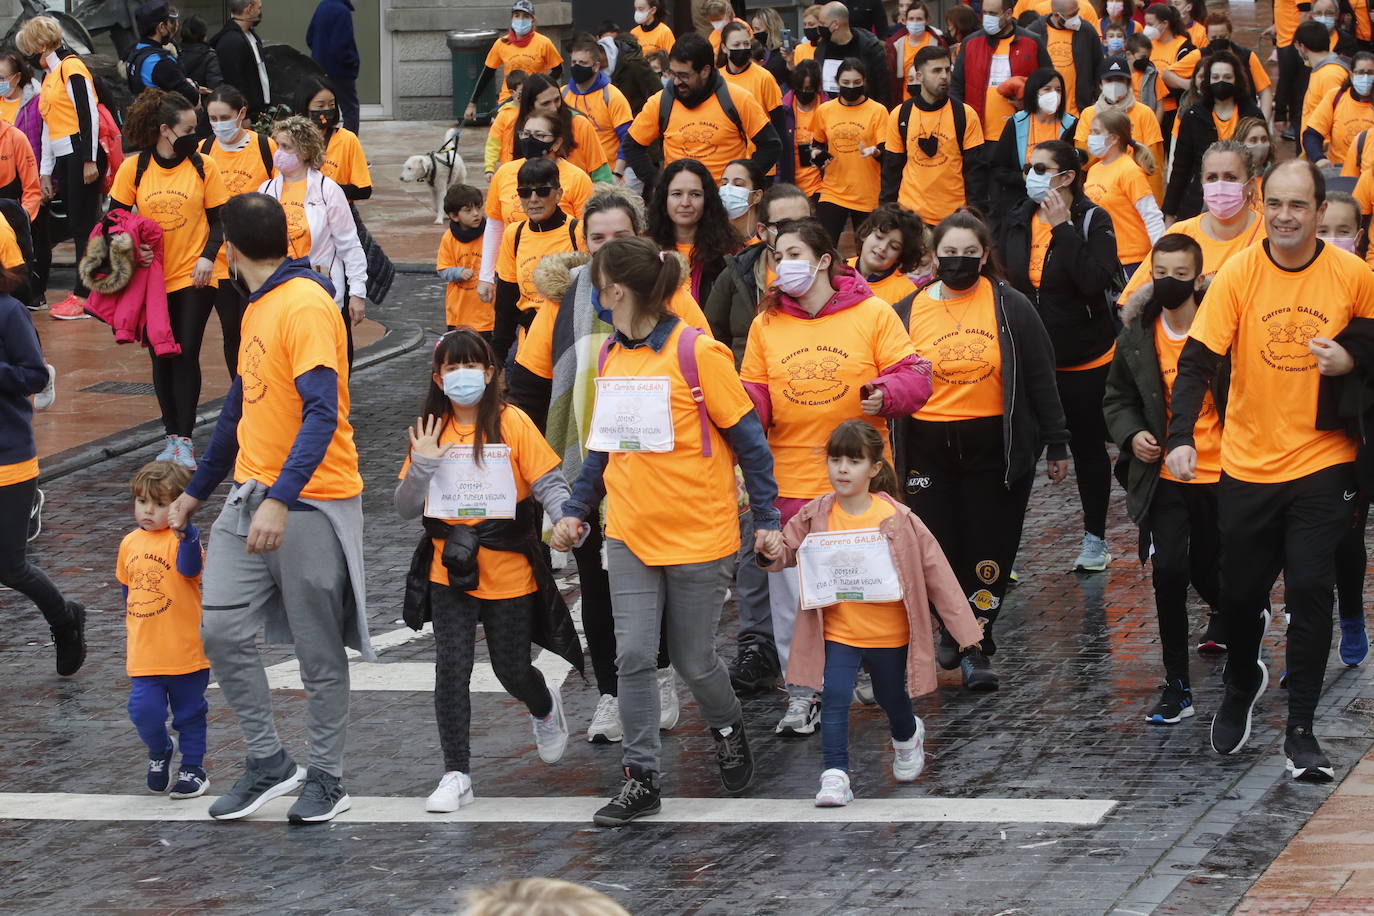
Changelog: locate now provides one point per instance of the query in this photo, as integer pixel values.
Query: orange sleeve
(1137, 185)
(123, 189)
(358, 171)
(551, 56)
(495, 191)
(10, 255)
(891, 341)
(620, 109)
(644, 130)
(505, 258)
(1322, 115)
(536, 350)
(122, 562)
(216, 194)
(769, 96)
(973, 129)
(448, 252)
(1363, 304)
(818, 124)
(685, 307)
(1218, 317)
(1350, 168)
(27, 168)
(726, 401)
(754, 366)
(1258, 75)
(1187, 64)
(1364, 194)
(578, 194)
(751, 113)
(494, 56)
(896, 143)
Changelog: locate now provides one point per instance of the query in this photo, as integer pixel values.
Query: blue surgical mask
(601, 311)
(1097, 145)
(5, 87)
(1362, 83)
(1038, 184)
(521, 27)
(225, 130)
(465, 387)
(1116, 45)
(992, 24)
(735, 199)
(1328, 21)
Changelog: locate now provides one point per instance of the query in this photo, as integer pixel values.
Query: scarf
(516, 40)
(577, 338)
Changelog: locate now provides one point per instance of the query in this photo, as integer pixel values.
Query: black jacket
(1007, 185)
(1032, 417)
(1072, 297)
(1196, 132)
(1087, 59)
(238, 65)
(867, 14)
(201, 64)
(873, 52)
(734, 299)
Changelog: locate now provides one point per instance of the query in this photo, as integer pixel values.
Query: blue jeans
(149, 698)
(888, 670)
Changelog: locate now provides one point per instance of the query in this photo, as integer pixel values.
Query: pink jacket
(926, 579)
(138, 312)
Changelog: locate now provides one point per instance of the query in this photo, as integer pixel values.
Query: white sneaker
(605, 727)
(455, 791)
(863, 689)
(835, 792)
(44, 399)
(551, 732)
(184, 453)
(909, 756)
(801, 718)
(169, 449)
(669, 709)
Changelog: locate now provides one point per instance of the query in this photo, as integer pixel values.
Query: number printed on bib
(632, 414)
(846, 566)
(462, 489)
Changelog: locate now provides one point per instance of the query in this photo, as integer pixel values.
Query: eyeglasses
(543, 190)
(535, 135)
(1039, 168)
(679, 77)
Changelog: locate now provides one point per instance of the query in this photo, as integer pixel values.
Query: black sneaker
(1213, 642)
(36, 515)
(735, 759)
(1174, 706)
(1304, 756)
(753, 671)
(262, 781)
(322, 798)
(69, 640)
(1231, 724)
(978, 673)
(639, 797)
(947, 653)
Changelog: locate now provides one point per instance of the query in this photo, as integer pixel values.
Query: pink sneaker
(69, 309)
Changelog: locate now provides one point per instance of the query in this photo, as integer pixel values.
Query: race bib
(1000, 70)
(462, 489)
(632, 415)
(829, 78)
(846, 566)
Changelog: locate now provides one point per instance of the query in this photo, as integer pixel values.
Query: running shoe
(69, 309)
(1175, 704)
(753, 671)
(605, 727)
(191, 782)
(909, 756)
(835, 791)
(159, 774)
(169, 449)
(669, 710)
(1354, 641)
(44, 399)
(977, 670)
(69, 640)
(454, 791)
(1213, 642)
(322, 799)
(262, 781)
(638, 797)
(863, 689)
(551, 732)
(947, 653)
(1093, 556)
(802, 716)
(1231, 724)
(184, 452)
(1303, 756)
(733, 756)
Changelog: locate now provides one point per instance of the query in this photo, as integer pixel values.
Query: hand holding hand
(180, 511)
(1057, 470)
(768, 544)
(566, 533)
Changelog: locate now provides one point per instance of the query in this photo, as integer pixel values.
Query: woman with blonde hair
(1120, 184)
(71, 143)
(767, 27)
(319, 223)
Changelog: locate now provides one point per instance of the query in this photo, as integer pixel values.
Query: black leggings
(1351, 558)
(833, 217)
(1081, 394)
(16, 572)
(1187, 548)
(83, 206)
(506, 623)
(229, 305)
(177, 378)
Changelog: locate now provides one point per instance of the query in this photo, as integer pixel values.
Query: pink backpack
(687, 362)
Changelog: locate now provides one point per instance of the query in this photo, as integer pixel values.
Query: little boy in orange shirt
(160, 572)
(460, 257)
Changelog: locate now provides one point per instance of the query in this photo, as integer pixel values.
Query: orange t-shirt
(503, 129)
(996, 107)
(18, 472)
(503, 202)
(808, 176)
(162, 612)
(814, 369)
(1039, 132)
(55, 105)
(959, 337)
(1264, 316)
(298, 237)
(865, 624)
(604, 109)
(500, 573)
(1207, 430)
(1286, 19)
(1214, 252)
(1164, 54)
(892, 288)
(659, 38)
(1340, 123)
(1116, 187)
(1044, 7)
(9, 108)
(1322, 81)
(461, 305)
(933, 186)
(664, 532)
(345, 161)
(10, 253)
(703, 133)
(1226, 129)
(1059, 44)
(536, 352)
(909, 48)
(539, 55)
(851, 179)
(758, 82)
(516, 265)
(804, 50)
(176, 199)
(241, 171)
(1040, 246)
(287, 331)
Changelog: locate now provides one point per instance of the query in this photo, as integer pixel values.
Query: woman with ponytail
(1119, 183)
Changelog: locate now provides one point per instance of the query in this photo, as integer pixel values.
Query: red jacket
(138, 312)
(970, 82)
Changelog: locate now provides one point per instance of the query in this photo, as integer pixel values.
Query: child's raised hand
(424, 437)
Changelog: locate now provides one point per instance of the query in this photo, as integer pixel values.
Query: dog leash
(450, 143)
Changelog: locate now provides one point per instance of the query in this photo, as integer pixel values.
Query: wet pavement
(1189, 832)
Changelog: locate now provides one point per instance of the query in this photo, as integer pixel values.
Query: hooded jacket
(734, 299)
(131, 298)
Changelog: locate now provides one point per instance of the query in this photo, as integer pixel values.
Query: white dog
(440, 170)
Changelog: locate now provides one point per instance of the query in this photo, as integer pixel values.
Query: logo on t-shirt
(959, 356)
(1286, 333)
(846, 137)
(811, 376)
(167, 207)
(250, 371)
(146, 597)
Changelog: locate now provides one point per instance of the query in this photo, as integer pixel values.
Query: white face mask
(1151, 33)
(719, 24)
(1074, 23)
(1049, 102)
(1097, 145)
(1113, 90)
(641, 16)
(992, 24)
(735, 199)
(521, 27)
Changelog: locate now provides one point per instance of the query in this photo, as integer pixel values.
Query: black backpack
(264, 150)
(727, 105)
(146, 157)
(960, 122)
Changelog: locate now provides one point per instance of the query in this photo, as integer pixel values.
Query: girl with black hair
(344, 159)
(468, 434)
(686, 215)
(849, 135)
(1224, 97)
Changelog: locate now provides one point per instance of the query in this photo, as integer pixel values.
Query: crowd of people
(847, 292)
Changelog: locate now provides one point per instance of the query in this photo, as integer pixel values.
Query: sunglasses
(543, 190)
(1039, 168)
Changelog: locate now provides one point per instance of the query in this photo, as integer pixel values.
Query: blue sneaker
(1354, 641)
(159, 772)
(169, 449)
(191, 782)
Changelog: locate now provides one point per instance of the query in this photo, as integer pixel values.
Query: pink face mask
(1224, 199)
(286, 162)
(1115, 8)
(1344, 243)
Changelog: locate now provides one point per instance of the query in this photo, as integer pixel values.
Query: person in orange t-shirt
(460, 259)
(1119, 183)
(891, 245)
(475, 462)
(583, 147)
(806, 99)
(650, 30)
(172, 184)
(738, 68)
(159, 570)
(344, 159)
(1288, 487)
(521, 48)
(848, 137)
(286, 556)
(591, 93)
(650, 437)
(1178, 518)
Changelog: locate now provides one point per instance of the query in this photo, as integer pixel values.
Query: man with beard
(700, 117)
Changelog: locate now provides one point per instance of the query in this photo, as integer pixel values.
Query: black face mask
(534, 148)
(1218, 44)
(1140, 66)
(1171, 292)
(825, 33)
(913, 89)
(812, 34)
(738, 57)
(806, 98)
(581, 73)
(327, 118)
(1223, 92)
(851, 93)
(185, 146)
(957, 271)
(761, 38)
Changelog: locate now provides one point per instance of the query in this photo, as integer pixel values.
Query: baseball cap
(151, 13)
(1115, 67)
(522, 6)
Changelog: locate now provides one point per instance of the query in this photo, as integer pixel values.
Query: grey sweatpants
(307, 578)
(687, 600)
